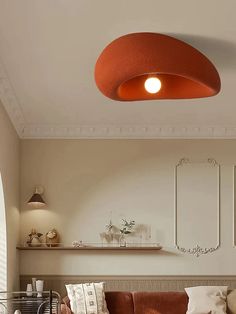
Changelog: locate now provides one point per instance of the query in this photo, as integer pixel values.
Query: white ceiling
(48, 49)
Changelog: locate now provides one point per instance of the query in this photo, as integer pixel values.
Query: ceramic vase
(29, 290)
(39, 288)
(35, 242)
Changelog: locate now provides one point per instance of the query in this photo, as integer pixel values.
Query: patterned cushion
(87, 298)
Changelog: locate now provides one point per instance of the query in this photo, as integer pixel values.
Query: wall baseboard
(132, 283)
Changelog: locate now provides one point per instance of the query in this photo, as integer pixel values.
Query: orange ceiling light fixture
(147, 66)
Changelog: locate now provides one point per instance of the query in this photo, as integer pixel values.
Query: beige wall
(85, 180)
(9, 168)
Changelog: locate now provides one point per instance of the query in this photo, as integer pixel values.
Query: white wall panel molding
(197, 250)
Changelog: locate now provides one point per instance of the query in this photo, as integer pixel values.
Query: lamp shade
(122, 69)
(36, 200)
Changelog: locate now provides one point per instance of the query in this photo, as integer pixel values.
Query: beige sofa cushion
(231, 302)
(207, 299)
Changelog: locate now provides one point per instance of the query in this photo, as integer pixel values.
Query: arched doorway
(3, 241)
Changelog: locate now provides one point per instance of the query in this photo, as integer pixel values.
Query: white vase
(39, 288)
(122, 240)
(35, 242)
(29, 290)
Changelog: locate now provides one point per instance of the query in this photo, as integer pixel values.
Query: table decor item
(29, 290)
(39, 288)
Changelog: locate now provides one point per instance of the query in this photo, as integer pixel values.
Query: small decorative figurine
(34, 238)
(52, 238)
(77, 243)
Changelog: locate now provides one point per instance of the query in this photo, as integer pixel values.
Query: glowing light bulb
(152, 85)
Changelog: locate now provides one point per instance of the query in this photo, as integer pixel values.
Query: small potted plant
(126, 228)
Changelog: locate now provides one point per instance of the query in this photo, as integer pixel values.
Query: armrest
(65, 309)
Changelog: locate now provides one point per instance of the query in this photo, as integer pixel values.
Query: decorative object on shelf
(122, 240)
(143, 233)
(17, 312)
(77, 243)
(29, 290)
(52, 238)
(39, 288)
(36, 200)
(142, 66)
(109, 231)
(108, 235)
(126, 228)
(34, 238)
(111, 234)
(34, 283)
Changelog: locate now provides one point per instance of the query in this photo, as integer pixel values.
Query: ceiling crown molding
(10, 102)
(127, 132)
(27, 131)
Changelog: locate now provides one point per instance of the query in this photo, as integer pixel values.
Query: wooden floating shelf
(89, 248)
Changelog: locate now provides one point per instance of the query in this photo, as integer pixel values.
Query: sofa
(141, 303)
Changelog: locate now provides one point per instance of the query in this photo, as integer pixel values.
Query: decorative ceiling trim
(127, 131)
(28, 131)
(10, 102)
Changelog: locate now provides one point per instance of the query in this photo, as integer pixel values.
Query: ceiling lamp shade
(147, 66)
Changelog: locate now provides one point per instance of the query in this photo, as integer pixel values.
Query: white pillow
(87, 298)
(207, 299)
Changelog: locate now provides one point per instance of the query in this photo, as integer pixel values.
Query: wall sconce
(36, 200)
